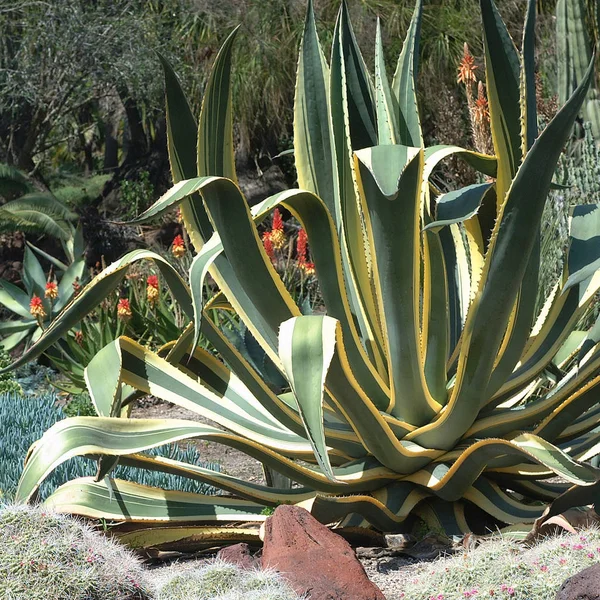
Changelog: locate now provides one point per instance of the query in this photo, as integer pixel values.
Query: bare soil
(233, 462)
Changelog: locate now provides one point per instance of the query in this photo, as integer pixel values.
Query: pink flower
(544, 568)
(563, 561)
(590, 555)
(577, 546)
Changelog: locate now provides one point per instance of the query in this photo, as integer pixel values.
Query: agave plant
(430, 387)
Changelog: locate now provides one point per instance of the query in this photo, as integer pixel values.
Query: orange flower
(79, 337)
(152, 290)
(480, 111)
(268, 244)
(36, 307)
(178, 247)
(308, 268)
(51, 290)
(179, 215)
(466, 69)
(124, 309)
(277, 234)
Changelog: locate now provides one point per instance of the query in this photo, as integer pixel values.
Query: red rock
(584, 585)
(315, 560)
(239, 554)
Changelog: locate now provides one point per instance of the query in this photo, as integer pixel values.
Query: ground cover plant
(431, 387)
(220, 580)
(45, 555)
(499, 568)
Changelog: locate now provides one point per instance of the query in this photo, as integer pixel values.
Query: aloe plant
(430, 387)
(42, 300)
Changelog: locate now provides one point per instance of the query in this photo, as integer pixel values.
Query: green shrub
(50, 556)
(220, 580)
(8, 384)
(24, 419)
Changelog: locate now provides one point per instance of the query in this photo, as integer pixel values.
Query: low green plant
(46, 555)
(430, 387)
(220, 580)
(500, 568)
(24, 419)
(8, 383)
(79, 405)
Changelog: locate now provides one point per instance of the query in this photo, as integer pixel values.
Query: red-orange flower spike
(36, 307)
(152, 291)
(277, 234)
(51, 290)
(79, 337)
(277, 220)
(481, 111)
(124, 309)
(301, 247)
(178, 248)
(466, 69)
(268, 244)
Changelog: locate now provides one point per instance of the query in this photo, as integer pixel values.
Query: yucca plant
(430, 387)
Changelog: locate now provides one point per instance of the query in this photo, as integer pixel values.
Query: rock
(430, 547)
(239, 554)
(316, 561)
(584, 585)
(399, 541)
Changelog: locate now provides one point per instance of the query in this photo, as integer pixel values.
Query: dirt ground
(233, 462)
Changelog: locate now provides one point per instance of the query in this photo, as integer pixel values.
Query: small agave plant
(431, 387)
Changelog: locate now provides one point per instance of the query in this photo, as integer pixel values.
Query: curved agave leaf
(126, 501)
(97, 290)
(503, 83)
(190, 538)
(458, 206)
(404, 83)
(116, 437)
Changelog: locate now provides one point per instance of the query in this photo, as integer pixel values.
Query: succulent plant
(430, 387)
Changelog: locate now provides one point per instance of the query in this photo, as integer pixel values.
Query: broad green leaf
(215, 129)
(390, 184)
(125, 501)
(458, 206)
(306, 347)
(313, 152)
(502, 70)
(404, 83)
(15, 299)
(583, 258)
(385, 103)
(506, 261)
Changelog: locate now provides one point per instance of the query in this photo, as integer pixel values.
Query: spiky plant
(429, 387)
